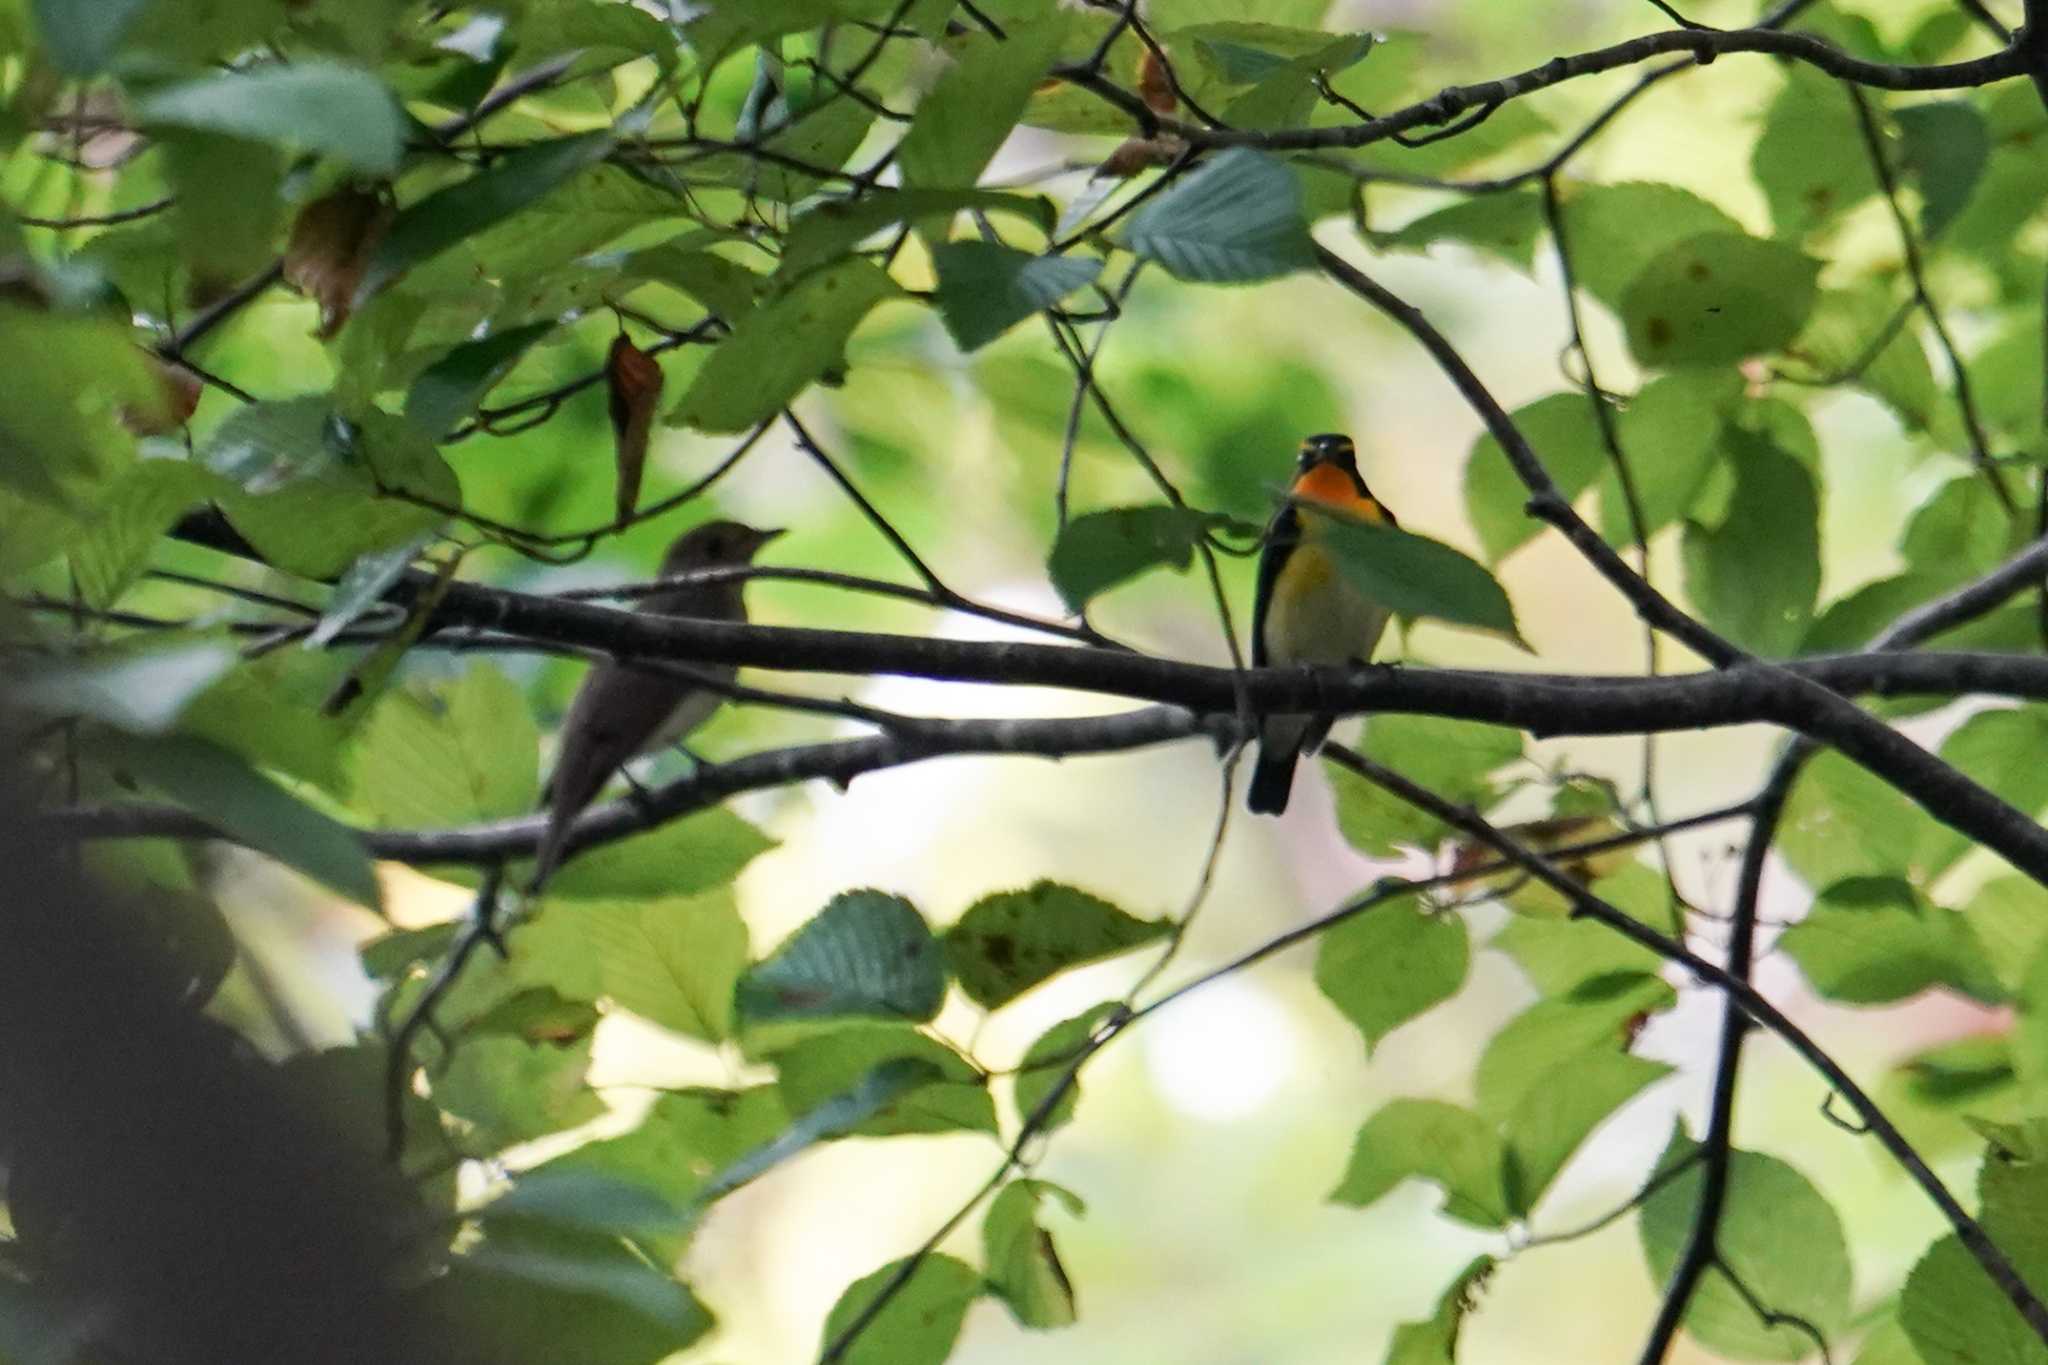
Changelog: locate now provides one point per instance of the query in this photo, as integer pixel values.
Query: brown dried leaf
(633, 382)
(330, 247)
(1140, 153)
(181, 390)
(1155, 83)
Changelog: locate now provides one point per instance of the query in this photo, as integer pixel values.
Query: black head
(1327, 448)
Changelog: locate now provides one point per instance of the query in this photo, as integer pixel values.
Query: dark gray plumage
(621, 711)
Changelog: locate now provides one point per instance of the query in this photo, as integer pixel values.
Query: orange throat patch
(1331, 486)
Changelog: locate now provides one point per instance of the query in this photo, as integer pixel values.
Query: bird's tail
(1272, 779)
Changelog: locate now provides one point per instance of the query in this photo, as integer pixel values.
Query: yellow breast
(1316, 616)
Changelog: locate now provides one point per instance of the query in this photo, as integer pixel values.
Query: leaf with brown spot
(329, 250)
(633, 383)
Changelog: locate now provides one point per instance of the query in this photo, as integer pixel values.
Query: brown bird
(622, 711)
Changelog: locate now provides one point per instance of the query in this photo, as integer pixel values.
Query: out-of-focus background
(1207, 1139)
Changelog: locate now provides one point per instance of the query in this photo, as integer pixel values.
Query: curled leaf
(633, 383)
(1155, 82)
(330, 247)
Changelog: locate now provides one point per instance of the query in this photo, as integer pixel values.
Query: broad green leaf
(317, 105)
(1390, 964)
(1889, 1344)
(1413, 575)
(685, 857)
(716, 31)
(321, 486)
(1453, 758)
(1617, 230)
(1434, 1340)
(1564, 432)
(725, 288)
(425, 229)
(602, 36)
(1502, 225)
(68, 378)
(1778, 1234)
(83, 35)
(252, 809)
(1285, 96)
(390, 956)
(1558, 954)
(364, 585)
(1599, 1015)
(1756, 576)
(985, 289)
(1453, 1148)
(463, 755)
(129, 520)
(1845, 324)
(672, 961)
(836, 1117)
(1998, 748)
(1099, 550)
(1960, 533)
(142, 690)
(1842, 822)
(1716, 299)
(1964, 1073)
(919, 1324)
(776, 350)
(514, 1089)
(953, 1096)
(1671, 434)
(268, 710)
(866, 953)
(1009, 942)
(1236, 220)
(1046, 1064)
(826, 231)
(2010, 918)
(1946, 144)
(586, 1200)
(1023, 1266)
(527, 1293)
(1872, 941)
(1950, 1308)
(1810, 158)
(969, 113)
(450, 389)
(1561, 1111)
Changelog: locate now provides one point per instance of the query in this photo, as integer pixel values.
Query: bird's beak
(762, 537)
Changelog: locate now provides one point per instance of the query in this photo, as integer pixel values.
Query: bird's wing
(616, 711)
(1283, 533)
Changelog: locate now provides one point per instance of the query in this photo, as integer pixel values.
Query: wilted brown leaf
(1155, 83)
(633, 382)
(330, 247)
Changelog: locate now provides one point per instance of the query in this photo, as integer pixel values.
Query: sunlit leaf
(1388, 965)
(1450, 1147)
(1718, 298)
(1236, 220)
(919, 1324)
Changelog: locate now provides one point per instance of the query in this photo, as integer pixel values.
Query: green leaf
(1756, 576)
(776, 350)
(1024, 1269)
(464, 755)
(83, 35)
(1838, 337)
(1434, 1341)
(253, 810)
(142, 690)
(1778, 1235)
(1453, 758)
(866, 953)
(1560, 954)
(828, 230)
(586, 1200)
(1889, 1344)
(364, 585)
(1947, 144)
(1047, 1061)
(1009, 942)
(1963, 1073)
(985, 289)
(1618, 230)
(1503, 225)
(450, 389)
(1950, 1308)
(1598, 1016)
(952, 1096)
(1099, 550)
(524, 1295)
(725, 288)
(1236, 220)
(515, 1090)
(836, 1117)
(1810, 158)
(672, 961)
(130, 518)
(1561, 1111)
(1413, 575)
(1999, 748)
(676, 858)
(1671, 433)
(2009, 916)
(920, 1323)
(320, 106)
(321, 486)
(1453, 1148)
(1390, 964)
(969, 113)
(1842, 822)
(1960, 533)
(390, 956)
(426, 229)
(1562, 430)
(1718, 298)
